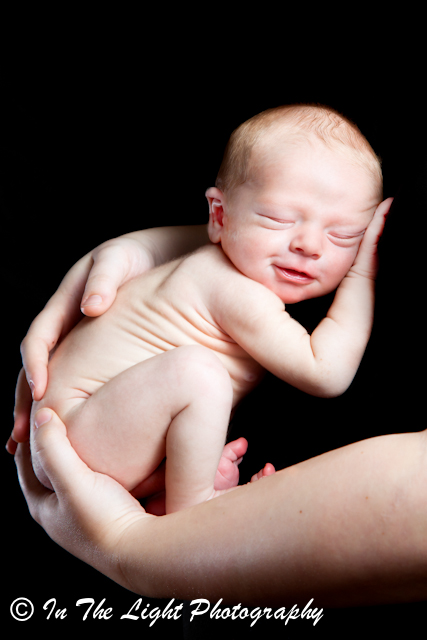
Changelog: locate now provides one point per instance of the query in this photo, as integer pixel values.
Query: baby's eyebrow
(352, 222)
(269, 206)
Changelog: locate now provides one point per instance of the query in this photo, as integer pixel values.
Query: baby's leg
(175, 404)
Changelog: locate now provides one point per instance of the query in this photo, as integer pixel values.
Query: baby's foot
(268, 470)
(227, 475)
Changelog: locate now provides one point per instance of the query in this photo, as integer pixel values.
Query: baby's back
(160, 310)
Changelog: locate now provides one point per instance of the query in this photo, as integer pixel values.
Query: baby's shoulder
(210, 267)
(220, 282)
(206, 264)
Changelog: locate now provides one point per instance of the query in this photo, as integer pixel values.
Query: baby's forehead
(282, 149)
(286, 150)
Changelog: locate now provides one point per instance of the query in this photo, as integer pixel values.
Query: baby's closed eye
(276, 223)
(345, 239)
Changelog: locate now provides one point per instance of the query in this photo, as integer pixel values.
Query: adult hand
(88, 512)
(90, 286)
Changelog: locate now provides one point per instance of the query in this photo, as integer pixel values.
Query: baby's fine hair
(293, 122)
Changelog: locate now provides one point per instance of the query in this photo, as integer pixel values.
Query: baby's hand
(366, 262)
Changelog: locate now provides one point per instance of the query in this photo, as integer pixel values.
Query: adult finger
(65, 470)
(114, 262)
(23, 401)
(57, 318)
(60, 462)
(35, 493)
(35, 358)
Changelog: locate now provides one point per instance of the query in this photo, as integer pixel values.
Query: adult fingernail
(92, 301)
(42, 417)
(32, 387)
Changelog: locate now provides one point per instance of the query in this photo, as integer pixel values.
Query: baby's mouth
(292, 274)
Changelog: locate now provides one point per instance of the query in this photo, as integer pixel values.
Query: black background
(97, 148)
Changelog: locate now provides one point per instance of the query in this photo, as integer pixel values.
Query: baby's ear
(216, 202)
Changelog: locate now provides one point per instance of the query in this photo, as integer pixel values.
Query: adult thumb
(53, 451)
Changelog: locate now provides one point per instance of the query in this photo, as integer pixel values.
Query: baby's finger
(376, 227)
(366, 262)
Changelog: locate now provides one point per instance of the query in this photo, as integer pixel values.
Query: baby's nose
(308, 244)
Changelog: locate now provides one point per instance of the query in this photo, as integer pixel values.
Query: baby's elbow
(322, 381)
(329, 387)
(327, 393)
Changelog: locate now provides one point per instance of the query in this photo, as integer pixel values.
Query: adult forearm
(347, 528)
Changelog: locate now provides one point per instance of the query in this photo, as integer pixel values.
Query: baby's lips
(295, 274)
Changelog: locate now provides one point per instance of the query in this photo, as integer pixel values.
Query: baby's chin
(300, 295)
(303, 295)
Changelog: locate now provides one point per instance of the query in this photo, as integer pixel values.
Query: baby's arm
(325, 363)
(343, 335)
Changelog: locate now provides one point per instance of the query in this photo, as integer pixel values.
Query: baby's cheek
(344, 261)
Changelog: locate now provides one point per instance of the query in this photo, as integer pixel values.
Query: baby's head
(297, 188)
(268, 132)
